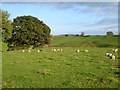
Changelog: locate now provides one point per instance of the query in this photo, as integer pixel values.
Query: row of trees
(109, 33)
(82, 34)
(24, 32)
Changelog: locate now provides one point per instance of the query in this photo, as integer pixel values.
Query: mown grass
(66, 69)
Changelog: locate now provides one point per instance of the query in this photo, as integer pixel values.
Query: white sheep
(58, 49)
(116, 50)
(107, 54)
(38, 50)
(23, 50)
(28, 50)
(86, 50)
(77, 50)
(110, 55)
(113, 57)
(54, 49)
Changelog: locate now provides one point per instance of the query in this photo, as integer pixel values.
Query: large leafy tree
(109, 33)
(5, 26)
(28, 31)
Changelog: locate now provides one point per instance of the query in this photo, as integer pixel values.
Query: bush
(66, 34)
(77, 35)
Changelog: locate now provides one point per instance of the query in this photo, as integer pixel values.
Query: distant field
(91, 41)
(66, 69)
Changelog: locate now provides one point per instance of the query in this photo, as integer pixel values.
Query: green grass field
(91, 41)
(66, 69)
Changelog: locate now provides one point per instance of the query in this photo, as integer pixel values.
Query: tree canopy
(109, 33)
(28, 31)
(5, 26)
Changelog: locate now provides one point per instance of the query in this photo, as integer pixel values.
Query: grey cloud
(98, 8)
(63, 5)
(107, 21)
(84, 7)
(114, 27)
(104, 21)
(97, 4)
(99, 31)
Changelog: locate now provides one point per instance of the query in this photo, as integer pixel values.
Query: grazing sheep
(113, 57)
(77, 51)
(28, 50)
(54, 49)
(110, 55)
(38, 50)
(107, 54)
(116, 50)
(58, 49)
(23, 50)
(86, 50)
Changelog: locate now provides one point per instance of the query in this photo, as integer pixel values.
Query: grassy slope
(99, 41)
(66, 69)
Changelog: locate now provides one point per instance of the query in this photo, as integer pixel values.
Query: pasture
(89, 41)
(66, 69)
(60, 69)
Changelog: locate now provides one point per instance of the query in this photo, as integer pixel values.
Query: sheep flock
(110, 55)
(107, 54)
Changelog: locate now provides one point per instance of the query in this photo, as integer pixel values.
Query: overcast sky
(93, 18)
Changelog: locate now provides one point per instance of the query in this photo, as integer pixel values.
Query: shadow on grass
(103, 45)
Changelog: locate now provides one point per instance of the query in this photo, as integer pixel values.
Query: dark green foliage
(77, 35)
(5, 26)
(109, 33)
(29, 32)
(66, 34)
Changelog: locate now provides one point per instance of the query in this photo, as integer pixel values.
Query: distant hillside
(77, 41)
(90, 41)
